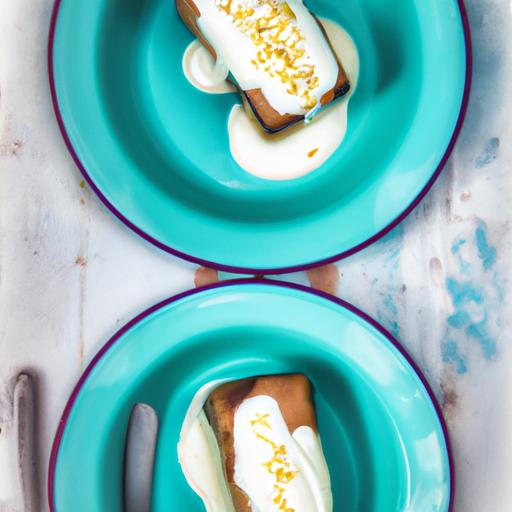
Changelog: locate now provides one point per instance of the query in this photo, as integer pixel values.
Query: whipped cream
(302, 148)
(297, 150)
(273, 45)
(199, 455)
(203, 72)
(308, 490)
(200, 459)
(272, 466)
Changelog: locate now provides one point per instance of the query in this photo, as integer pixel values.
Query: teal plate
(156, 150)
(382, 431)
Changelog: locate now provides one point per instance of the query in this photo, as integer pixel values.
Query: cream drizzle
(295, 151)
(203, 72)
(199, 456)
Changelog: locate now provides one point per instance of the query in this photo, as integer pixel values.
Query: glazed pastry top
(276, 470)
(271, 453)
(273, 45)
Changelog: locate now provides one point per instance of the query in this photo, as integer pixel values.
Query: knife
(24, 429)
(139, 458)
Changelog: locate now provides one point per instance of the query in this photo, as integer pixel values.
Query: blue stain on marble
(451, 355)
(476, 318)
(392, 315)
(498, 286)
(457, 245)
(393, 257)
(390, 305)
(480, 333)
(463, 293)
(464, 296)
(459, 320)
(486, 252)
(464, 266)
(389, 323)
(395, 329)
(489, 154)
(390, 245)
(388, 316)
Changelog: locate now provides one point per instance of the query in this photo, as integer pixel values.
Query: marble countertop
(71, 274)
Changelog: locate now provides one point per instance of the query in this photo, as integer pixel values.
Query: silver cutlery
(139, 459)
(25, 435)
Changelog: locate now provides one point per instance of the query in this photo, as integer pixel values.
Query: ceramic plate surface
(156, 150)
(382, 432)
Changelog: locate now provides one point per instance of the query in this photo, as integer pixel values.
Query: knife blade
(141, 439)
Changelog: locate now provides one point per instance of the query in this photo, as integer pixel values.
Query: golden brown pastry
(276, 52)
(291, 392)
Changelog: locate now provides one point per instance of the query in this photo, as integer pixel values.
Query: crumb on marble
(16, 146)
(448, 206)
(436, 270)
(325, 279)
(11, 148)
(205, 276)
(450, 403)
(81, 261)
(465, 196)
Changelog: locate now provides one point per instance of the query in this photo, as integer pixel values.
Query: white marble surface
(70, 273)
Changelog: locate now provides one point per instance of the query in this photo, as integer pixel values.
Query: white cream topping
(309, 441)
(303, 148)
(199, 456)
(271, 466)
(300, 149)
(203, 72)
(264, 42)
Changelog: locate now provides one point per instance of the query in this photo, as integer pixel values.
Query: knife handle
(24, 428)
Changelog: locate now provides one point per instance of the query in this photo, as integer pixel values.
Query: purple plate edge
(279, 270)
(226, 284)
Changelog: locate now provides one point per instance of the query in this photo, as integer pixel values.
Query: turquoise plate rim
(229, 285)
(279, 269)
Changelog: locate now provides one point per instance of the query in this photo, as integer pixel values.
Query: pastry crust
(293, 394)
(271, 120)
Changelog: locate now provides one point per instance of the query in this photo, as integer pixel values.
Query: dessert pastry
(275, 51)
(266, 441)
